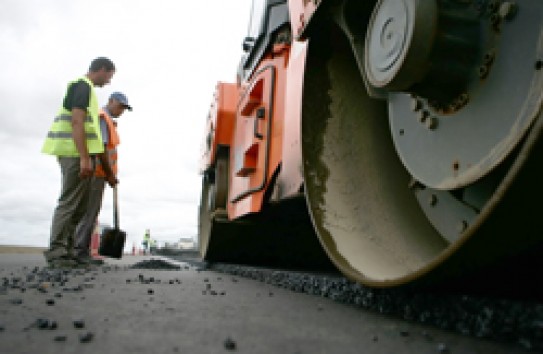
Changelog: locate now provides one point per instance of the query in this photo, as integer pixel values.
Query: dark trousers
(85, 228)
(72, 205)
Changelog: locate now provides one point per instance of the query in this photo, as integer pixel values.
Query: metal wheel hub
(465, 109)
(397, 43)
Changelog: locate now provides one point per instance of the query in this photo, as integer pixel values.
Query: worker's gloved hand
(85, 167)
(112, 181)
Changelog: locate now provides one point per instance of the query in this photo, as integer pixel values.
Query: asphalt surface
(117, 308)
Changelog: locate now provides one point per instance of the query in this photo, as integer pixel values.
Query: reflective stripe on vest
(59, 140)
(63, 135)
(68, 118)
(111, 147)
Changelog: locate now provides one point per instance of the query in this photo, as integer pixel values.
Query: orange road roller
(399, 141)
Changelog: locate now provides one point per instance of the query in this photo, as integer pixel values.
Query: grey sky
(169, 56)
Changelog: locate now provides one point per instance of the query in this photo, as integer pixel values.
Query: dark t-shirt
(78, 96)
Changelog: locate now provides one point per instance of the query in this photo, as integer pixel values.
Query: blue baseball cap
(121, 98)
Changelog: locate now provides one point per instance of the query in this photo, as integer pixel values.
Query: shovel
(112, 240)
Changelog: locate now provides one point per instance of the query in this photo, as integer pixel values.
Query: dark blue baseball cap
(121, 98)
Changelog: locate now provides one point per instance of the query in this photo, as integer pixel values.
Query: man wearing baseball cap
(106, 171)
(121, 98)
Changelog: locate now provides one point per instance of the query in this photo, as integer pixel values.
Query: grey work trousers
(72, 205)
(83, 232)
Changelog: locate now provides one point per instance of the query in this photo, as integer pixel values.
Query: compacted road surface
(154, 305)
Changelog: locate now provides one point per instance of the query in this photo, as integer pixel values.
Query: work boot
(61, 263)
(88, 261)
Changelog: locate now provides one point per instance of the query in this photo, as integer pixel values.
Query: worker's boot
(88, 261)
(61, 263)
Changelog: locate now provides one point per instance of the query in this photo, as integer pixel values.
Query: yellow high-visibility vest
(59, 140)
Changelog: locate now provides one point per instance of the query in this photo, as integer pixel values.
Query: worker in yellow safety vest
(75, 139)
(146, 241)
(106, 171)
(152, 247)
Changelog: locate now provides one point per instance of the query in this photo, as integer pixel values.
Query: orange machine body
(259, 121)
(219, 123)
(250, 120)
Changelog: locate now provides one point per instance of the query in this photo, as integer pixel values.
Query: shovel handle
(115, 209)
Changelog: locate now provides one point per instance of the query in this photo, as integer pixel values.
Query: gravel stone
(42, 323)
(86, 337)
(79, 324)
(442, 348)
(229, 344)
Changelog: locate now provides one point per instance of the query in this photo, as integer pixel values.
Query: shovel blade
(112, 243)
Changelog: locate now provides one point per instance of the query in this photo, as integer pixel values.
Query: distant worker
(75, 138)
(146, 241)
(106, 171)
(152, 247)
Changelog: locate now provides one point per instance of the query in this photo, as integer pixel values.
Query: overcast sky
(169, 55)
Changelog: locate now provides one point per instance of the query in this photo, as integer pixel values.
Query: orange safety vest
(111, 147)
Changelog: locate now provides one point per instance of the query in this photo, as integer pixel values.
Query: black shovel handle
(115, 209)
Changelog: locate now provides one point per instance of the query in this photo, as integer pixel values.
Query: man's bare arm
(104, 161)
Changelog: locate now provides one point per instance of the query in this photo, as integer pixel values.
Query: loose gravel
(502, 320)
(497, 319)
